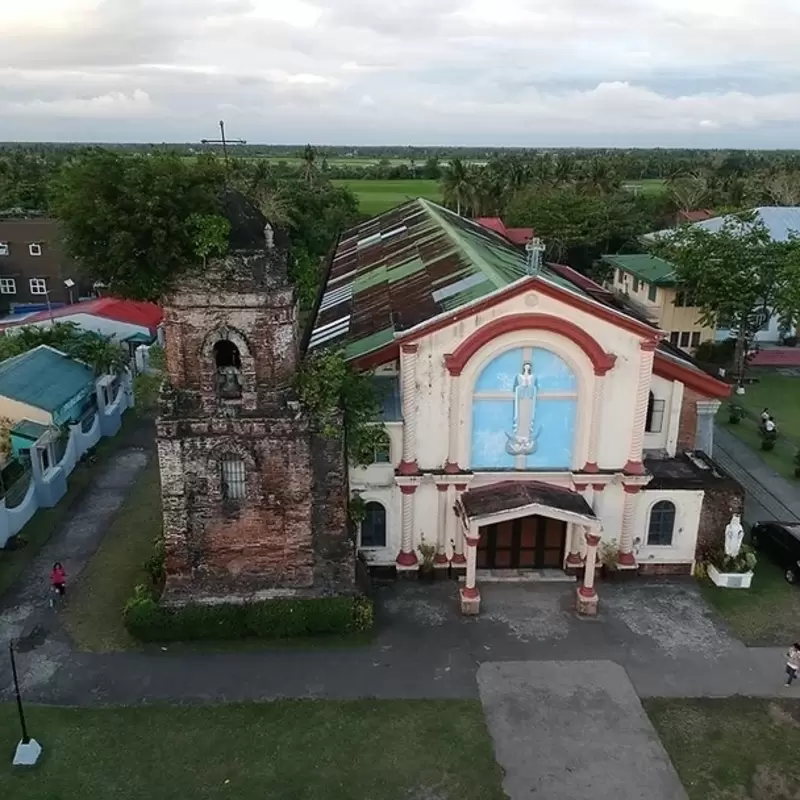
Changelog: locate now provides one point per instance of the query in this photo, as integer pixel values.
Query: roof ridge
(477, 259)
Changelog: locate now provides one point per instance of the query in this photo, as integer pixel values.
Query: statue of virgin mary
(522, 440)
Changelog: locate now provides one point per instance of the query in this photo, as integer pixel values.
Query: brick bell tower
(254, 500)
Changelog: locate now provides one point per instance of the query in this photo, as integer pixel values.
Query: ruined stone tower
(254, 501)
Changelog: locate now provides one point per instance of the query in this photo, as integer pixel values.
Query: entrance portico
(515, 524)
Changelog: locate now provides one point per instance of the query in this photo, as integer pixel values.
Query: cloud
(516, 72)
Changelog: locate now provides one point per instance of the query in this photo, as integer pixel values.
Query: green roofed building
(649, 283)
(45, 386)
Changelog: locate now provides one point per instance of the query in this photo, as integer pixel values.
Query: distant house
(517, 236)
(47, 387)
(34, 269)
(649, 282)
(781, 222)
(123, 320)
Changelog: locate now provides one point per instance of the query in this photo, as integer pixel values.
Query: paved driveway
(572, 729)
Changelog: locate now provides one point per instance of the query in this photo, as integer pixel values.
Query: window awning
(497, 502)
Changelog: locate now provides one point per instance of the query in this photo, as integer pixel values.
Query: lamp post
(28, 750)
(70, 284)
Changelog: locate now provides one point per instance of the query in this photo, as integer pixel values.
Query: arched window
(234, 484)
(524, 410)
(655, 414)
(373, 526)
(228, 363)
(662, 524)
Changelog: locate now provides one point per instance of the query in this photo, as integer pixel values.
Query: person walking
(58, 580)
(792, 663)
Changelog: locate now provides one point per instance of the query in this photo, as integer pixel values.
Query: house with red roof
(517, 236)
(124, 320)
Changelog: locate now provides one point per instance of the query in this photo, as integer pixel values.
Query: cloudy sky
(495, 72)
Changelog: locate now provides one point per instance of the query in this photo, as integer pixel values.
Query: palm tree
(689, 191)
(563, 170)
(310, 159)
(600, 177)
(457, 186)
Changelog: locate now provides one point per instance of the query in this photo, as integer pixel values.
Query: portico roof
(510, 499)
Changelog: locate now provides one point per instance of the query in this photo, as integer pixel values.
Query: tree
(457, 186)
(126, 219)
(309, 163)
(738, 275)
(688, 192)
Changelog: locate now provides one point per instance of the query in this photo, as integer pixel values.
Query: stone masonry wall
(687, 426)
(288, 536)
(719, 503)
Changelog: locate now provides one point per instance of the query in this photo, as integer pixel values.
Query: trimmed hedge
(281, 618)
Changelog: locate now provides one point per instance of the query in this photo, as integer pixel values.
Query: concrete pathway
(25, 615)
(571, 729)
(768, 494)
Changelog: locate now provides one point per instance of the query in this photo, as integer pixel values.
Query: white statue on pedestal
(734, 534)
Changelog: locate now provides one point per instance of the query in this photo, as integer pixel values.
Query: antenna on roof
(535, 249)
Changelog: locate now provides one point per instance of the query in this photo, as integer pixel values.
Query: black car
(781, 541)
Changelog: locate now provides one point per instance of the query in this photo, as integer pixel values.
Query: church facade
(532, 417)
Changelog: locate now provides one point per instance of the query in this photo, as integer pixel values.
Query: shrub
(796, 461)
(736, 413)
(281, 618)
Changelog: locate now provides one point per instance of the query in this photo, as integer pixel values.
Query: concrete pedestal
(27, 753)
(586, 605)
(470, 604)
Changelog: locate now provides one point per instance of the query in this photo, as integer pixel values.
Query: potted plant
(732, 572)
(427, 553)
(609, 558)
(768, 438)
(796, 461)
(735, 413)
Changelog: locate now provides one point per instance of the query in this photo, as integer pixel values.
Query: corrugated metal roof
(44, 378)
(779, 220)
(28, 429)
(649, 268)
(407, 266)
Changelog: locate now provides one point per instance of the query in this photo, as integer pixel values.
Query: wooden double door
(524, 543)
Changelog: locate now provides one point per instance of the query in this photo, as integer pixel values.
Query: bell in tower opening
(254, 498)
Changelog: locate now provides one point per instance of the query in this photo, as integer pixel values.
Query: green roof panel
(650, 269)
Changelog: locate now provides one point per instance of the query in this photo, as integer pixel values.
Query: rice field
(376, 196)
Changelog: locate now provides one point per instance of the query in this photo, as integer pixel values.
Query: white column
(458, 541)
(407, 556)
(470, 596)
(634, 465)
(595, 427)
(626, 558)
(673, 422)
(704, 433)
(575, 533)
(408, 375)
(587, 599)
(453, 420)
(441, 559)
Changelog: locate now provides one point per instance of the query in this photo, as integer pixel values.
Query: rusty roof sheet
(509, 495)
(407, 266)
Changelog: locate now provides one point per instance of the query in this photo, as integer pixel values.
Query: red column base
(459, 558)
(574, 559)
(452, 469)
(470, 592)
(626, 560)
(441, 559)
(408, 468)
(406, 559)
(591, 466)
(633, 468)
(587, 592)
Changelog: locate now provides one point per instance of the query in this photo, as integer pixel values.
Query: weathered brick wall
(687, 426)
(665, 569)
(718, 505)
(289, 533)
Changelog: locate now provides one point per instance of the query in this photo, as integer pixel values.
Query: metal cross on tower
(223, 141)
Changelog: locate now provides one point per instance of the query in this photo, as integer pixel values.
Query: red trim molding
(407, 559)
(441, 559)
(592, 539)
(598, 487)
(633, 468)
(703, 384)
(406, 488)
(459, 558)
(649, 345)
(591, 466)
(442, 487)
(581, 487)
(587, 592)
(632, 488)
(472, 542)
(452, 469)
(409, 347)
(574, 559)
(470, 592)
(461, 487)
(408, 468)
(626, 560)
(601, 360)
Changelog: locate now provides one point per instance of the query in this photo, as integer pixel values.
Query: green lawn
(732, 749)
(765, 614)
(781, 395)
(47, 520)
(93, 613)
(287, 750)
(375, 197)
(648, 185)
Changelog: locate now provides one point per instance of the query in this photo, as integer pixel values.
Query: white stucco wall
(671, 392)
(687, 519)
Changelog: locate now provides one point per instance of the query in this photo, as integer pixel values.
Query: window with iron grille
(8, 286)
(655, 415)
(662, 524)
(234, 486)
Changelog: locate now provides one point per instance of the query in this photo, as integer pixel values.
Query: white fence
(48, 484)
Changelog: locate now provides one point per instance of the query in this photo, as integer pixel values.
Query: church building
(532, 416)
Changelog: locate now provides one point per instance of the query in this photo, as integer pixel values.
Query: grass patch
(93, 615)
(375, 197)
(647, 185)
(47, 521)
(732, 749)
(765, 614)
(293, 750)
